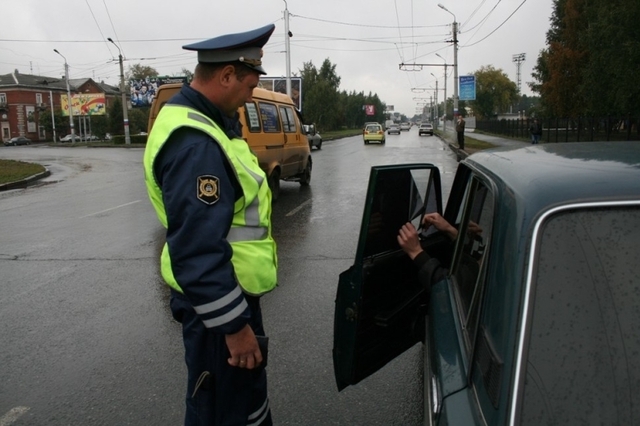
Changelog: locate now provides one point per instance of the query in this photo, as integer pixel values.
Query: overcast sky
(366, 40)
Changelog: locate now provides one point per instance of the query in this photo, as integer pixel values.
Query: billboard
(143, 91)
(279, 84)
(370, 109)
(84, 104)
(467, 88)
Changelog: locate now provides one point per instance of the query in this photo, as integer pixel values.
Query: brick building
(24, 98)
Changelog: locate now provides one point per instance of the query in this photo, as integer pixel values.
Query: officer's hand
(244, 349)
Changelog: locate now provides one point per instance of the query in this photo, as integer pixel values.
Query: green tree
(187, 73)
(115, 122)
(138, 120)
(140, 72)
(591, 60)
(494, 92)
(321, 100)
(62, 122)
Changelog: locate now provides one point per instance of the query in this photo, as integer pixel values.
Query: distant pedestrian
(536, 131)
(460, 131)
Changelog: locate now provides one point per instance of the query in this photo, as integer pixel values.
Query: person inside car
(430, 269)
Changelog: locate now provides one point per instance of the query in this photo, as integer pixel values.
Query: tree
(116, 120)
(187, 73)
(323, 104)
(321, 101)
(591, 61)
(494, 92)
(140, 72)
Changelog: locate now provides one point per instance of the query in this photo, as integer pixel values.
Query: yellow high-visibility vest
(254, 256)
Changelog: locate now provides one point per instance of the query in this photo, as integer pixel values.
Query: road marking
(13, 415)
(297, 209)
(107, 210)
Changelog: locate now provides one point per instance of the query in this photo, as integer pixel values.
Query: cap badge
(208, 189)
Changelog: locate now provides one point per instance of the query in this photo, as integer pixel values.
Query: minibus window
(269, 118)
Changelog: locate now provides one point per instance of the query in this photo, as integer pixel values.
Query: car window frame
(471, 180)
(288, 118)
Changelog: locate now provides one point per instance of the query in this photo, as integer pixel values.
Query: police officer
(219, 258)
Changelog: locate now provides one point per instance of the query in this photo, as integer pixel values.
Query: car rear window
(373, 128)
(582, 362)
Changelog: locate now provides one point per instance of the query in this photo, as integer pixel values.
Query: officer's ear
(226, 75)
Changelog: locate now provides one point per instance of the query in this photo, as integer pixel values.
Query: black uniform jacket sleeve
(430, 270)
(196, 233)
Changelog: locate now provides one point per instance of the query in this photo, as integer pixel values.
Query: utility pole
(436, 96)
(444, 122)
(53, 117)
(455, 60)
(125, 112)
(69, 103)
(287, 35)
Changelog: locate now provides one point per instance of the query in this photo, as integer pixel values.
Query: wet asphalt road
(86, 337)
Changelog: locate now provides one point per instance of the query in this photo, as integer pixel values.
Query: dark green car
(537, 319)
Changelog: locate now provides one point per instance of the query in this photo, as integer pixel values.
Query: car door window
(288, 119)
(475, 222)
(398, 200)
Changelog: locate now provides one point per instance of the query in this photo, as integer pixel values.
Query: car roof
(552, 174)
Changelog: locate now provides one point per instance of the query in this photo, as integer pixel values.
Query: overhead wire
(498, 27)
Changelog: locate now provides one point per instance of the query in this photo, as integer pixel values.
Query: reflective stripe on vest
(254, 250)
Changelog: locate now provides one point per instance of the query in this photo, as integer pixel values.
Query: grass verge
(12, 170)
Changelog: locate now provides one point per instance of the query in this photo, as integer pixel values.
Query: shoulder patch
(208, 189)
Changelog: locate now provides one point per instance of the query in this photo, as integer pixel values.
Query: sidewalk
(495, 140)
(451, 139)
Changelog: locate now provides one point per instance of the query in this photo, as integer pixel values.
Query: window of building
(38, 98)
(3, 98)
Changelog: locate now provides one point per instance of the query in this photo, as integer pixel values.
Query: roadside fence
(583, 129)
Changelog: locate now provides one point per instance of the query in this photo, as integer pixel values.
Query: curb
(24, 182)
(460, 153)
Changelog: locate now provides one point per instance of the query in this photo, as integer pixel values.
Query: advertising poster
(143, 91)
(86, 104)
(279, 84)
(370, 109)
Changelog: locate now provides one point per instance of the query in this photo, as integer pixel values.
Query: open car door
(380, 305)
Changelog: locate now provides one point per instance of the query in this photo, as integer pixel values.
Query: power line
(363, 25)
(498, 27)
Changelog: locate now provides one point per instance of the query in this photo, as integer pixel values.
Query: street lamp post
(444, 122)
(436, 96)
(69, 104)
(287, 36)
(455, 60)
(125, 112)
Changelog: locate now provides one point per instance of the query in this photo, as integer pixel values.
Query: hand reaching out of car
(440, 224)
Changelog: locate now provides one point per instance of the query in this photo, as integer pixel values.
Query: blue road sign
(467, 88)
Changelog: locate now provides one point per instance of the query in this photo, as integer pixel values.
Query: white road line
(13, 415)
(112, 208)
(297, 209)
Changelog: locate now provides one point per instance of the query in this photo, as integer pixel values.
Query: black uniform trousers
(217, 393)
